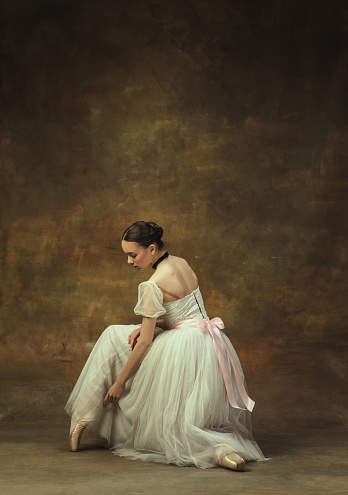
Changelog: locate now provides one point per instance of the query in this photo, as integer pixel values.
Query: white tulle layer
(175, 409)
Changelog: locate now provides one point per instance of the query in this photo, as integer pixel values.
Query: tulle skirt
(174, 410)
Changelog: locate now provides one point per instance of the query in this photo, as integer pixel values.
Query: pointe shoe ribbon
(75, 436)
(214, 328)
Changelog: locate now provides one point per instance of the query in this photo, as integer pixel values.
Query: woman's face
(138, 256)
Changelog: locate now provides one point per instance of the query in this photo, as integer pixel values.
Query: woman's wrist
(120, 382)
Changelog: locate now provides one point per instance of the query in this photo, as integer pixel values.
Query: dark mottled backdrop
(225, 122)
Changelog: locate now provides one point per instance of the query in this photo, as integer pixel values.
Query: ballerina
(172, 389)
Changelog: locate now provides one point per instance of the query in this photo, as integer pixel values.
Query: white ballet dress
(187, 403)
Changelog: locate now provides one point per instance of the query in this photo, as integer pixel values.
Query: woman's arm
(133, 336)
(144, 341)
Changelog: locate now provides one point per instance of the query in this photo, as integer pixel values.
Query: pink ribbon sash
(214, 328)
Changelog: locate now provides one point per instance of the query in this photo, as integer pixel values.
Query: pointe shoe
(232, 461)
(75, 436)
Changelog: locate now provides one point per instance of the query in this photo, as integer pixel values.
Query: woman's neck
(158, 257)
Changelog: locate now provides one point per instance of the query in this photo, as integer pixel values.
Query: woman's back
(175, 277)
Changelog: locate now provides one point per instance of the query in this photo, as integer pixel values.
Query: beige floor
(36, 460)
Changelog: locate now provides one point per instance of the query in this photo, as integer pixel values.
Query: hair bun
(158, 230)
(144, 234)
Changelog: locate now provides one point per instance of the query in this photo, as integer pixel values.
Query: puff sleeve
(150, 300)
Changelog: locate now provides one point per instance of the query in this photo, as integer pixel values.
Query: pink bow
(214, 328)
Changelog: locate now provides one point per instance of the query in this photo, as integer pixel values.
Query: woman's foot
(232, 461)
(75, 436)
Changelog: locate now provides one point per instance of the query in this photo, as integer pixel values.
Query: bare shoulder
(174, 265)
(177, 259)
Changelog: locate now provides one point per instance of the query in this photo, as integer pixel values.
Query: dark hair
(144, 234)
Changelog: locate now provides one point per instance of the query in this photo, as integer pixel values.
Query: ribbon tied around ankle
(214, 328)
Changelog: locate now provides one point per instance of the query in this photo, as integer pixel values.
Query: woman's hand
(133, 337)
(114, 394)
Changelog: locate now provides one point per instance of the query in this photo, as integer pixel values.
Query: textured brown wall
(223, 121)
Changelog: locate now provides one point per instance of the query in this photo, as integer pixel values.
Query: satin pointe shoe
(75, 436)
(232, 461)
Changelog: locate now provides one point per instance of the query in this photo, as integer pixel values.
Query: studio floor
(36, 460)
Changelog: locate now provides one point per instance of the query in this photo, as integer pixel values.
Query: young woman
(171, 390)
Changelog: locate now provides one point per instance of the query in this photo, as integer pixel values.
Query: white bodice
(150, 304)
(187, 307)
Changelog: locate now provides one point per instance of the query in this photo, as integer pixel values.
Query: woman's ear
(153, 248)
